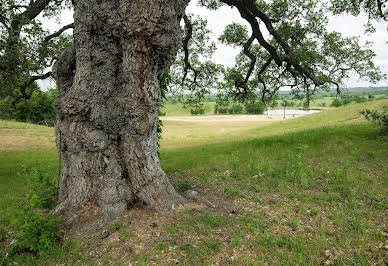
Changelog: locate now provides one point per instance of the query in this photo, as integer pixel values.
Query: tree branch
(32, 11)
(59, 32)
(250, 12)
(189, 35)
(23, 89)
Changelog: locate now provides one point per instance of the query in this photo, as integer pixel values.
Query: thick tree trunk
(108, 108)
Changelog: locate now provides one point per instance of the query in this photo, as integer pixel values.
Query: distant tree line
(38, 109)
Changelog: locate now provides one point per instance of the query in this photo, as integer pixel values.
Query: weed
(161, 246)
(293, 222)
(36, 233)
(182, 186)
(42, 186)
(116, 226)
(171, 229)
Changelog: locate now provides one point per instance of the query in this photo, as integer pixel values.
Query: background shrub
(236, 109)
(254, 108)
(197, 111)
(336, 103)
(220, 109)
(39, 109)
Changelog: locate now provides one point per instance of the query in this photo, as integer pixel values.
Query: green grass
(306, 191)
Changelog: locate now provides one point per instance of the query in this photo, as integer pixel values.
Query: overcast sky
(217, 20)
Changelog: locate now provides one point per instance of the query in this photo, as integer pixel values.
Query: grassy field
(310, 190)
(177, 109)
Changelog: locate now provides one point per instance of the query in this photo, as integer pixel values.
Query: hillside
(307, 190)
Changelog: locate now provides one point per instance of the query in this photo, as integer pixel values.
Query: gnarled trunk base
(108, 104)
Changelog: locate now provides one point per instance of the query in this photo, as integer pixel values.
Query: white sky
(217, 20)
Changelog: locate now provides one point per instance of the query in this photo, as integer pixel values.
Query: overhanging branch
(188, 66)
(59, 32)
(26, 94)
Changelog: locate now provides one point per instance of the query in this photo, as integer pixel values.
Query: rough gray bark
(108, 104)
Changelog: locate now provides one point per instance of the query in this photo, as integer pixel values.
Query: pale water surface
(291, 112)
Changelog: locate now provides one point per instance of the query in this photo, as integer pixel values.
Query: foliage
(219, 109)
(36, 230)
(356, 99)
(42, 188)
(225, 107)
(336, 103)
(236, 108)
(38, 109)
(193, 77)
(376, 10)
(164, 81)
(222, 104)
(197, 110)
(379, 118)
(26, 48)
(254, 108)
(299, 52)
(182, 186)
(36, 233)
(347, 100)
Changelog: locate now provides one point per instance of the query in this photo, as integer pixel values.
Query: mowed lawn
(310, 190)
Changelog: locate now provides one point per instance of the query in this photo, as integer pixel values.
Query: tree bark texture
(108, 104)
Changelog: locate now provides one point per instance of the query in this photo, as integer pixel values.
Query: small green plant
(293, 222)
(115, 227)
(379, 118)
(161, 246)
(36, 233)
(183, 186)
(43, 188)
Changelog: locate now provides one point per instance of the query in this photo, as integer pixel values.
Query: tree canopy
(286, 44)
(27, 50)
